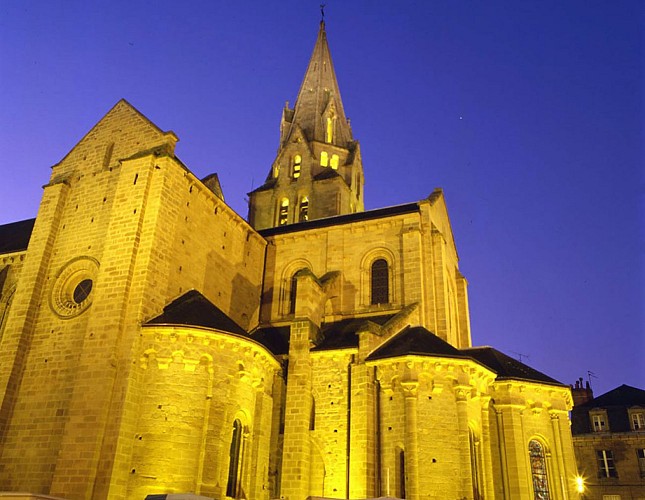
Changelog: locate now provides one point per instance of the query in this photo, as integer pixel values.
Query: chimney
(581, 392)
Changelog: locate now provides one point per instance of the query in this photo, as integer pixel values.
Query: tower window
(304, 209)
(380, 285)
(324, 159)
(283, 215)
(297, 165)
(329, 130)
(333, 162)
(538, 470)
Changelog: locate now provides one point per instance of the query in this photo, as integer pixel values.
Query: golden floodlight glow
(580, 484)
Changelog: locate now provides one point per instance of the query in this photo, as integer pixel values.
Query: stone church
(153, 341)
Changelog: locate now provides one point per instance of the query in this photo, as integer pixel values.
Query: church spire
(319, 111)
(318, 171)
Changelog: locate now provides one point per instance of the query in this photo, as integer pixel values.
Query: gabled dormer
(317, 171)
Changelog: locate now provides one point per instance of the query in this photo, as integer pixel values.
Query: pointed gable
(122, 133)
(416, 341)
(193, 309)
(624, 395)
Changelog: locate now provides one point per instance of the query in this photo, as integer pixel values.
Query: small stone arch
(287, 282)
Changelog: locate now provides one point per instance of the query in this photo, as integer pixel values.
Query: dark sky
(528, 114)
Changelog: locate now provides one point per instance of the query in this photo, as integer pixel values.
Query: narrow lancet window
(297, 166)
(293, 292)
(329, 131)
(333, 162)
(304, 209)
(283, 215)
(538, 471)
(324, 159)
(380, 286)
(233, 483)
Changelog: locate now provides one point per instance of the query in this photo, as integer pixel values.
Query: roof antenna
(520, 356)
(590, 375)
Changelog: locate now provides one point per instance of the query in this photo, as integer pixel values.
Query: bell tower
(318, 170)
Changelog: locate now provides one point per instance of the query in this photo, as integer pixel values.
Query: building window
(380, 282)
(333, 162)
(304, 209)
(283, 213)
(606, 467)
(329, 131)
(611, 497)
(474, 464)
(233, 483)
(638, 420)
(297, 165)
(293, 291)
(401, 474)
(640, 452)
(324, 159)
(538, 471)
(599, 422)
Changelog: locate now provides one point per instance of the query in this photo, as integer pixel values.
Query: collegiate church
(152, 341)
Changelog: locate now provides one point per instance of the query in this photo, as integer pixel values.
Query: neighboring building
(609, 441)
(152, 341)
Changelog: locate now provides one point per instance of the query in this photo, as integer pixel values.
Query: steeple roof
(319, 97)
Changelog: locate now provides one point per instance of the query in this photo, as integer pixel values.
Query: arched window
(380, 283)
(283, 215)
(297, 165)
(400, 473)
(329, 130)
(538, 470)
(293, 291)
(324, 159)
(233, 483)
(474, 464)
(333, 162)
(304, 209)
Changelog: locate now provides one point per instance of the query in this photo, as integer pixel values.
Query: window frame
(606, 464)
(599, 421)
(379, 284)
(637, 420)
(539, 469)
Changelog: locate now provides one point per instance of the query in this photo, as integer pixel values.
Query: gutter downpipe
(349, 423)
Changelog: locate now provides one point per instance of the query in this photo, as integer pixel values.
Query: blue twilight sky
(528, 114)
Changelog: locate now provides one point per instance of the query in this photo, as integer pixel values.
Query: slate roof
(14, 237)
(507, 367)
(624, 395)
(328, 173)
(415, 340)
(342, 334)
(342, 219)
(274, 338)
(192, 308)
(615, 403)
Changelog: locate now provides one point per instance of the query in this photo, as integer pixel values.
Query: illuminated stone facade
(152, 341)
